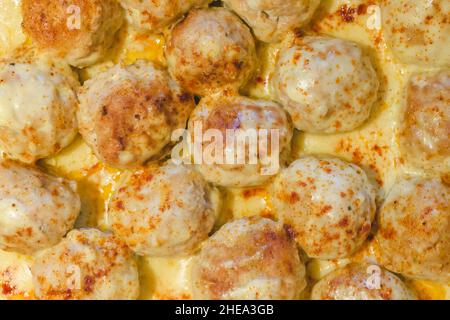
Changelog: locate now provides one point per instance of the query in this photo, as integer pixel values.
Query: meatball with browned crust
(248, 259)
(127, 114)
(254, 135)
(211, 50)
(80, 31)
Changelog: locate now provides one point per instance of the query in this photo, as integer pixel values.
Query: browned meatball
(247, 259)
(211, 50)
(81, 31)
(127, 114)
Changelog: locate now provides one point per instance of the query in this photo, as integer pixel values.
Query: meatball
(155, 15)
(425, 136)
(236, 118)
(37, 210)
(248, 259)
(80, 31)
(328, 204)
(414, 229)
(272, 19)
(37, 110)
(87, 265)
(127, 114)
(163, 210)
(361, 282)
(211, 50)
(417, 31)
(327, 85)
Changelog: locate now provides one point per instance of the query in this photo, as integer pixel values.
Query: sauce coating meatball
(233, 118)
(211, 50)
(37, 210)
(270, 20)
(414, 229)
(248, 259)
(155, 15)
(37, 110)
(425, 136)
(80, 31)
(163, 211)
(417, 31)
(327, 85)
(127, 114)
(87, 265)
(329, 205)
(361, 282)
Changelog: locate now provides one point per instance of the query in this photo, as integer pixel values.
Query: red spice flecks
(347, 13)
(7, 289)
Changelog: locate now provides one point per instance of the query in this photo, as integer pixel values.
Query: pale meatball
(37, 210)
(211, 50)
(127, 114)
(249, 135)
(418, 31)
(272, 19)
(329, 205)
(327, 85)
(87, 265)
(80, 31)
(249, 259)
(425, 136)
(37, 110)
(163, 211)
(414, 229)
(155, 15)
(361, 282)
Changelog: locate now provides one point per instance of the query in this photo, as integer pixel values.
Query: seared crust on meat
(127, 114)
(79, 30)
(250, 258)
(211, 50)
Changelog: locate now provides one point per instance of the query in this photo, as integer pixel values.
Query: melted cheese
(11, 35)
(374, 146)
(15, 276)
